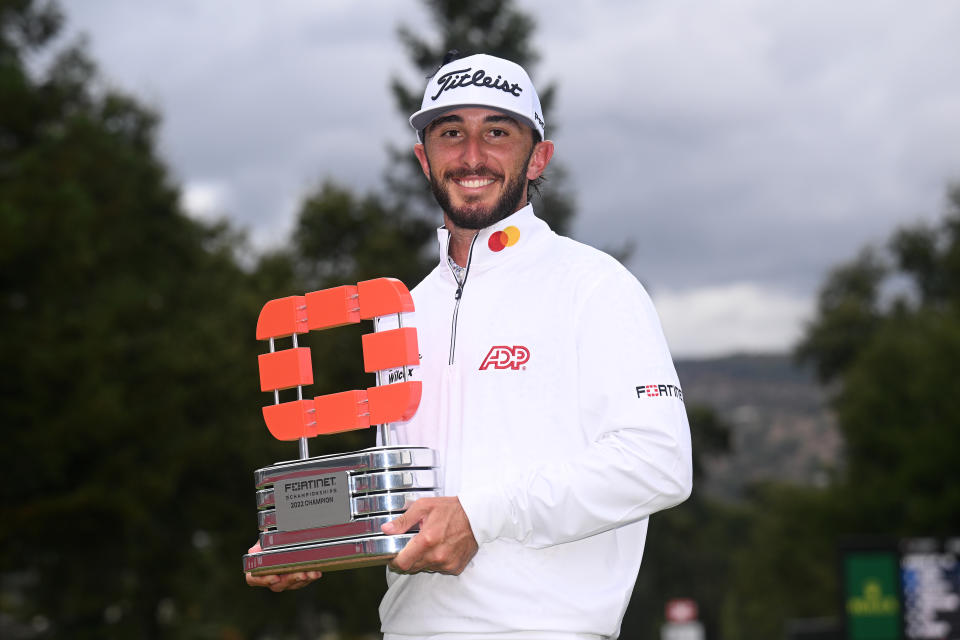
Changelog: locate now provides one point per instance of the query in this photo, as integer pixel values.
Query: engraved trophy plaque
(324, 513)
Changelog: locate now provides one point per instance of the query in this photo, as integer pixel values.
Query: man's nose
(472, 155)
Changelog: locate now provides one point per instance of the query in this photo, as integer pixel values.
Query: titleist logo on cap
(479, 78)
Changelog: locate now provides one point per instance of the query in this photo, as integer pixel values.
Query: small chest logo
(499, 240)
(502, 357)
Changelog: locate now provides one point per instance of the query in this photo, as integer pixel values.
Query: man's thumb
(397, 525)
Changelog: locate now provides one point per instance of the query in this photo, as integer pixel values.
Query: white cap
(480, 81)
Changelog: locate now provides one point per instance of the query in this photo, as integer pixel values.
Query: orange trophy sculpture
(324, 513)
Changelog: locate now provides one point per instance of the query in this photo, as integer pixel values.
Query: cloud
(205, 200)
(736, 143)
(738, 317)
(753, 140)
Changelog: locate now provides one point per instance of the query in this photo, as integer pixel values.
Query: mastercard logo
(506, 238)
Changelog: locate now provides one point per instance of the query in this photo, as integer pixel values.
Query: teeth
(476, 182)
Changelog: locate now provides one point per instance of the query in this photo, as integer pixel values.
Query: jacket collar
(500, 243)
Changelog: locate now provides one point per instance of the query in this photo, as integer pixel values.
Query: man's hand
(445, 542)
(281, 582)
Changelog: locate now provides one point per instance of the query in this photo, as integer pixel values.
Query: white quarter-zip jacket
(554, 405)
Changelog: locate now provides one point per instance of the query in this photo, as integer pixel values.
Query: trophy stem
(304, 447)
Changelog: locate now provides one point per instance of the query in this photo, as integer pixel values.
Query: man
(549, 394)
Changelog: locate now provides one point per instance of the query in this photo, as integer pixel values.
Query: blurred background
(780, 176)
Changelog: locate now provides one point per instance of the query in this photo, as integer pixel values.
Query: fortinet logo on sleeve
(659, 391)
(503, 357)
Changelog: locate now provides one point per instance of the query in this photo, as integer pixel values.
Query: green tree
(886, 339)
(847, 316)
(690, 547)
(785, 564)
(887, 335)
(129, 410)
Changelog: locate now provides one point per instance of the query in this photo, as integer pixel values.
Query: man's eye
(449, 133)
(497, 133)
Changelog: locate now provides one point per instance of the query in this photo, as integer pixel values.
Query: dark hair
(449, 56)
(533, 186)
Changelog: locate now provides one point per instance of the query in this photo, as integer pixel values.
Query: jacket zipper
(457, 296)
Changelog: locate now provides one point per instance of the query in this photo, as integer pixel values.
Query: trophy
(324, 513)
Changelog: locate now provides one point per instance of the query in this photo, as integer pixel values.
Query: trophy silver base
(325, 513)
(327, 556)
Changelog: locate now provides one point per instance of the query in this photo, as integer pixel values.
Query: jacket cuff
(487, 511)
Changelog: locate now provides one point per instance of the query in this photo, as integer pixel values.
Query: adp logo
(503, 357)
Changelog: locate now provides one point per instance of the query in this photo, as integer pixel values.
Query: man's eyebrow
(501, 118)
(492, 118)
(443, 120)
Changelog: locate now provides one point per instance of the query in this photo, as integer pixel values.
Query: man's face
(478, 162)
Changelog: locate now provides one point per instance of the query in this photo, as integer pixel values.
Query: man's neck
(460, 240)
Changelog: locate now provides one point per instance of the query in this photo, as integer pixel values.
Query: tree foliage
(784, 566)
(917, 273)
(688, 551)
(129, 399)
(886, 338)
(887, 334)
(847, 315)
(341, 237)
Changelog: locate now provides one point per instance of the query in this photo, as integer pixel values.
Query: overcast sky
(745, 147)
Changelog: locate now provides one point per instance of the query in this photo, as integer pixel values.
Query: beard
(478, 216)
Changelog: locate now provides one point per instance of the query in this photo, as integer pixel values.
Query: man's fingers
(403, 522)
(262, 581)
(283, 582)
(397, 525)
(411, 557)
(291, 582)
(445, 542)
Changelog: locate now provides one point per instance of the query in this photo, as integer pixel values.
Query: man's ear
(421, 154)
(539, 159)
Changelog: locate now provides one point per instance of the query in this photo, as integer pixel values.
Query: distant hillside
(781, 427)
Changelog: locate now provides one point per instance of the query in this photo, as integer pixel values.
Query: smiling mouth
(474, 183)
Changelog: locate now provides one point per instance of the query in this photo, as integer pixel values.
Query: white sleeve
(638, 460)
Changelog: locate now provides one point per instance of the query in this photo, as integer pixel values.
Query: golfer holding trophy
(548, 396)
